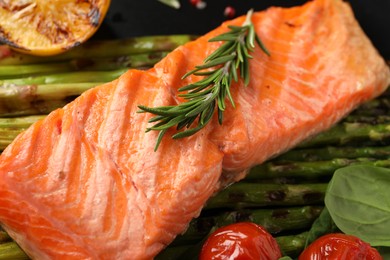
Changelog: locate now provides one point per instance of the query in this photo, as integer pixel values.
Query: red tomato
(339, 247)
(241, 241)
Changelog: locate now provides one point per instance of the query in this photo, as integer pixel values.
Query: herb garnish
(219, 69)
(358, 200)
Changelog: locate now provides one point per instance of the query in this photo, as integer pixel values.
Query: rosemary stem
(209, 94)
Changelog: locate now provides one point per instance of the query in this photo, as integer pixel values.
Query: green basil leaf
(358, 200)
(323, 225)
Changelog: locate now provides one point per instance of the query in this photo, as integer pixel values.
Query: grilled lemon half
(48, 27)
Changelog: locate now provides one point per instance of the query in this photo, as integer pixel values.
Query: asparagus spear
(332, 152)
(143, 60)
(12, 71)
(13, 93)
(241, 195)
(9, 133)
(71, 77)
(375, 107)
(12, 251)
(275, 220)
(44, 93)
(351, 133)
(37, 107)
(19, 122)
(39, 99)
(292, 245)
(373, 120)
(100, 49)
(307, 170)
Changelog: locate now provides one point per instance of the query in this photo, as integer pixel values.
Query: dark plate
(129, 18)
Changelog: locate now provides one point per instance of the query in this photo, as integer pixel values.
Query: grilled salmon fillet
(85, 183)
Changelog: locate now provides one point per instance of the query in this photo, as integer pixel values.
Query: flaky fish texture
(85, 183)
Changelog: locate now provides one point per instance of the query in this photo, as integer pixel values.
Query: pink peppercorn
(229, 12)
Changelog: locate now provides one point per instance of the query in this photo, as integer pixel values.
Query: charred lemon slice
(48, 27)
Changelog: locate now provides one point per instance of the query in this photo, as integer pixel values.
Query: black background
(129, 18)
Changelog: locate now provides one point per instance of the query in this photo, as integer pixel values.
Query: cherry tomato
(339, 247)
(241, 241)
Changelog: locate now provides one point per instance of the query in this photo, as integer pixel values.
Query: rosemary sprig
(219, 70)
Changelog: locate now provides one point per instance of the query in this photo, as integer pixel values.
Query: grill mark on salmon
(85, 183)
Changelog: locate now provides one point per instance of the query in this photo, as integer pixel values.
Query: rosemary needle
(204, 96)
